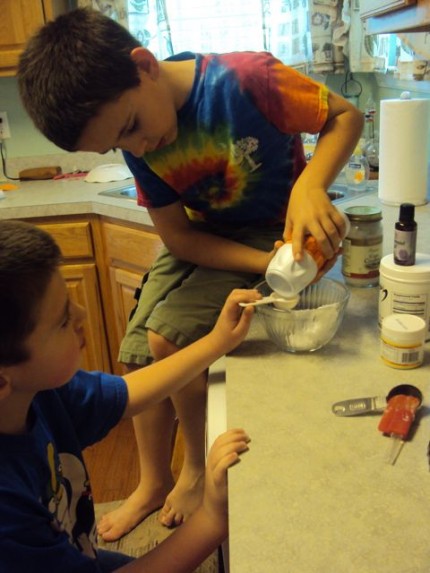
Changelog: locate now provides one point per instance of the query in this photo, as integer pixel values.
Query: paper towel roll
(403, 151)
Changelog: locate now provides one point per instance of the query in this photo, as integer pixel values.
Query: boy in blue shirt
(214, 143)
(50, 411)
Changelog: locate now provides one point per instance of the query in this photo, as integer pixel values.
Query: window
(221, 26)
(171, 26)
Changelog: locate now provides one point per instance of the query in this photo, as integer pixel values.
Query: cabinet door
(130, 252)
(82, 285)
(19, 19)
(123, 284)
(131, 247)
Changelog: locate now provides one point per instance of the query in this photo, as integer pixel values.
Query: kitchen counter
(54, 198)
(315, 494)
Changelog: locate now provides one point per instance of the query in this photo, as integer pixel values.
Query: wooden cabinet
(391, 16)
(19, 20)
(82, 284)
(129, 253)
(76, 241)
(104, 262)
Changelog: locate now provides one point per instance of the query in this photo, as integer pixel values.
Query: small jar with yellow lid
(402, 340)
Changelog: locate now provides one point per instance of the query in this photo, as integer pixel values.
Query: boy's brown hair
(70, 68)
(28, 258)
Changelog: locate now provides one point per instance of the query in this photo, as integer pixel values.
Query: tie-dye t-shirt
(238, 150)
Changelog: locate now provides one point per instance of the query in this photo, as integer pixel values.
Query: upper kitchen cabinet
(395, 16)
(19, 20)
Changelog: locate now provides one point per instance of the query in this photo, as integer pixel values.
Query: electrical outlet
(4, 126)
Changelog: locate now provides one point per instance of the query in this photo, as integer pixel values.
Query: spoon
(278, 301)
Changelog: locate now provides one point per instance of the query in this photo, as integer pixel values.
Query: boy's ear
(146, 61)
(5, 384)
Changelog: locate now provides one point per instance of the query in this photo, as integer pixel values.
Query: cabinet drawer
(130, 247)
(74, 239)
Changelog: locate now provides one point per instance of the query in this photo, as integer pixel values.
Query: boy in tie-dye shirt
(214, 143)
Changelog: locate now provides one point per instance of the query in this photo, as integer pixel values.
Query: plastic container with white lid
(405, 290)
(402, 340)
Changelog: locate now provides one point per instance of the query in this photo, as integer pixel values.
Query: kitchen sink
(128, 192)
(337, 193)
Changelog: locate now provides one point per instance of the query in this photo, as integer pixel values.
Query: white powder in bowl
(319, 322)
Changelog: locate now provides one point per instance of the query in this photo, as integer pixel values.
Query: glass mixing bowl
(312, 323)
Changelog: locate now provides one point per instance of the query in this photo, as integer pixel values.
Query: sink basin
(337, 193)
(122, 193)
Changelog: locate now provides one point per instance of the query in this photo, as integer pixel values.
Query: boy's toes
(103, 525)
(169, 517)
(177, 520)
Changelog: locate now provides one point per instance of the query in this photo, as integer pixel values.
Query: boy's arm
(310, 210)
(187, 243)
(207, 527)
(156, 382)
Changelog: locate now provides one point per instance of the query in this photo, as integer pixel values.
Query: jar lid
(404, 328)
(419, 272)
(364, 213)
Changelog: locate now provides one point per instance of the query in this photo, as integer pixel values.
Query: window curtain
(309, 34)
(330, 28)
(146, 20)
(115, 9)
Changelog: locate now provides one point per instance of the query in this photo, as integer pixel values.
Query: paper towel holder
(403, 160)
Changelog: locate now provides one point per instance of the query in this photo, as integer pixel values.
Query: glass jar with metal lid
(362, 247)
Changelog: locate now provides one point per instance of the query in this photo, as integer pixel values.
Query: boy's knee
(159, 346)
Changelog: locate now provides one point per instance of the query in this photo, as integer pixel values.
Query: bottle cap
(407, 212)
(363, 213)
(405, 95)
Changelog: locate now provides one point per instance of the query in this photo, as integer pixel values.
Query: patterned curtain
(115, 9)
(308, 34)
(146, 20)
(287, 32)
(148, 23)
(330, 26)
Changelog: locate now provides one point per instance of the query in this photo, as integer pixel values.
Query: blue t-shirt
(46, 508)
(238, 150)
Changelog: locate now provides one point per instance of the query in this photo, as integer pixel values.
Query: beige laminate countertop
(55, 198)
(314, 494)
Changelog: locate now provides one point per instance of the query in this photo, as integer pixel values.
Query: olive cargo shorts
(182, 301)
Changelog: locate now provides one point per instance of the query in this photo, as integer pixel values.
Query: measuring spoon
(278, 301)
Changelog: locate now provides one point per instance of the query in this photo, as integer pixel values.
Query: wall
(29, 148)
(381, 87)
(25, 140)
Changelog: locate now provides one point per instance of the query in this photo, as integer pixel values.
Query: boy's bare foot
(184, 498)
(141, 503)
